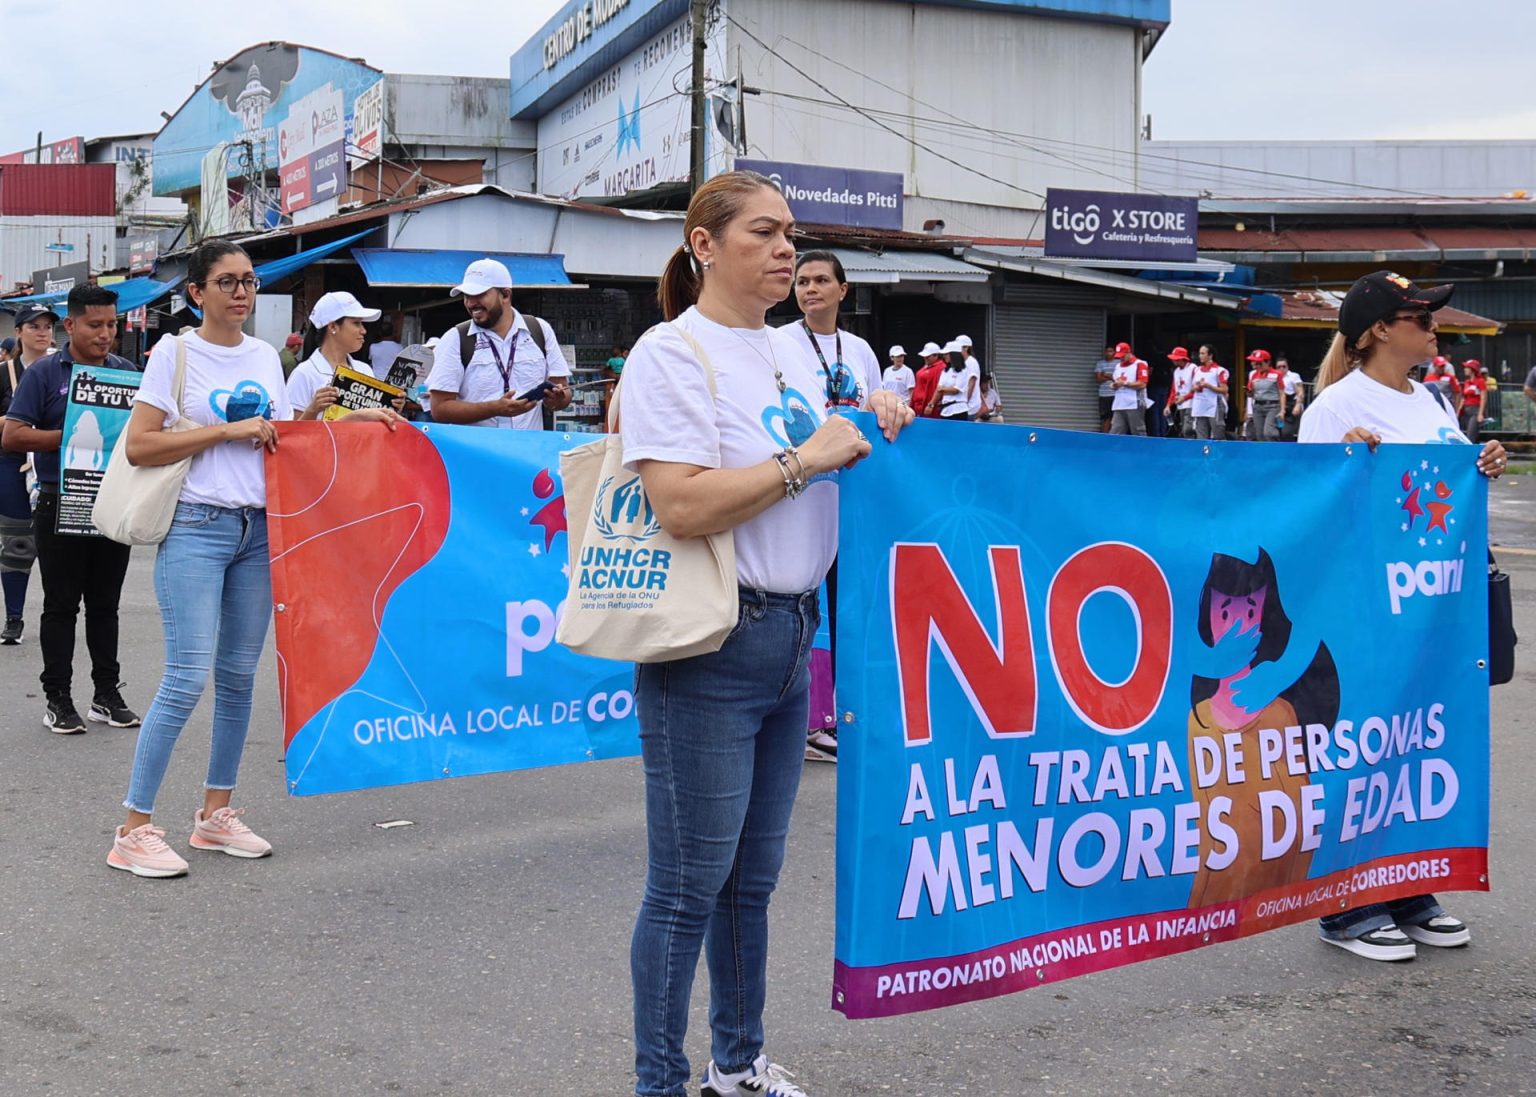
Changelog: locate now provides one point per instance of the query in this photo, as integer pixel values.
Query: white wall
(1030, 100)
(23, 243)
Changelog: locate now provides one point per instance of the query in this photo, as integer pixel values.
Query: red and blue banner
(1117, 698)
(416, 580)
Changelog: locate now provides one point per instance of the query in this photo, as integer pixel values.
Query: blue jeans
(1361, 920)
(215, 593)
(722, 738)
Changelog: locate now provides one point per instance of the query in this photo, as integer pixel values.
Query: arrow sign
(328, 169)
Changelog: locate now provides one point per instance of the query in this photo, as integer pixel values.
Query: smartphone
(537, 392)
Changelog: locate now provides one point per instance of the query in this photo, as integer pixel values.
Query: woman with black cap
(1365, 393)
(34, 339)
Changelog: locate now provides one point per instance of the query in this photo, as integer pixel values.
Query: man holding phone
(496, 370)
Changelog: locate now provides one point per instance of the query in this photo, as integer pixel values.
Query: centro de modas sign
(835, 196)
(1091, 224)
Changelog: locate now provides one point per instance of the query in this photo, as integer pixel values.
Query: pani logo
(623, 513)
(1425, 496)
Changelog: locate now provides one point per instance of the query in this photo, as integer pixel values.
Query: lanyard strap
(503, 367)
(834, 384)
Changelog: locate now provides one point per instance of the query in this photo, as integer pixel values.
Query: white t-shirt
(1129, 373)
(382, 356)
(1292, 382)
(861, 369)
(971, 391)
(665, 414)
(223, 385)
(900, 380)
(951, 404)
(315, 373)
(1183, 384)
(483, 379)
(1360, 401)
(1206, 404)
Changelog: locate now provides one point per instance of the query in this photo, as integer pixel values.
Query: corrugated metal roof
(1320, 308)
(906, 266)
(67, 190)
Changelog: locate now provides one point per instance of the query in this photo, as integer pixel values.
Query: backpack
(467, 341)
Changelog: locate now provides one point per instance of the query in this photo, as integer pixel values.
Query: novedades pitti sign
(835, 196)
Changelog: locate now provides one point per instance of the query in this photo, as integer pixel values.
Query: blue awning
(404, 267)
(288, 264)
(132, 294)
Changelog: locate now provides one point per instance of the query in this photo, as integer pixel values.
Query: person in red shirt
(927, 381)
(1473, 385)
(1266, 389)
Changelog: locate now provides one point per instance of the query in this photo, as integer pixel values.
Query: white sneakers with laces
(761, 1079)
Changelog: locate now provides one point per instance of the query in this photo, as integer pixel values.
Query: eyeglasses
(1422, 317)
(228, 282)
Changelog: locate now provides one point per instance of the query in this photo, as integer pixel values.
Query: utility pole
(698, 13)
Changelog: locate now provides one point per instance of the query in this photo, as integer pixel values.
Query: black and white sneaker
(61, 717)
(1442, 931)
(108, 708)
(1388, 943)
(11, 634)
(761, 1079)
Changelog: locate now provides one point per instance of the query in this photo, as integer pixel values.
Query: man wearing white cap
(336, 331)
(899, 377)
(972, 378)
(482, 366)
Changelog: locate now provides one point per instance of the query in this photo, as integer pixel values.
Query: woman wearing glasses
(1365, 394)
(336, 331)
(211, 575)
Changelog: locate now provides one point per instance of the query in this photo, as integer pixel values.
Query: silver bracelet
(793, 485)
(791, 451)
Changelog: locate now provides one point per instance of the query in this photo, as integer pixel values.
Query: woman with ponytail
(1365, 394)
(725, 420)
(336, 331)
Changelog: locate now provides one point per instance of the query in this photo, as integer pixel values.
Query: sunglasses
(1422, 317)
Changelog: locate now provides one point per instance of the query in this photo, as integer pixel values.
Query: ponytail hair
(1341, 359)
(313, 337)
(714, 206)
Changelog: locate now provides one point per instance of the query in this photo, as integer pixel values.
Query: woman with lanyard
(34, 339)
(211, 571)
(949, 397)
(722, 736)
(1365, 394)
(849, 368)
(335, 332)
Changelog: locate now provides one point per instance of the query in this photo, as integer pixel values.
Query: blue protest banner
(417, 579)
(1112, 705)
(99, 404)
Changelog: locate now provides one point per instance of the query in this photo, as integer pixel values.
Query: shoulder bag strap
(179, 384)
(693, 345)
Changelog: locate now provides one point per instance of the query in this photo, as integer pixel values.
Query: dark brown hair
(713, 207)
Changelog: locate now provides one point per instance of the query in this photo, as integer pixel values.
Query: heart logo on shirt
(792, 422)
(247, 400)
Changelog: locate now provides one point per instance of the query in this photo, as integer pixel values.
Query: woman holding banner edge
(723, 735)
(211, 571)
(1365, 394)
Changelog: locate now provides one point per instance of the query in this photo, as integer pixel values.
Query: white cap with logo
(898, 351)
(336, 306)
(482, 275)
(930, 349)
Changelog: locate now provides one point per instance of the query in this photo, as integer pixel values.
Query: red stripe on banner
(892, 989)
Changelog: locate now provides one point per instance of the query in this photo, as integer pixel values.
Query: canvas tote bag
(637, 594)
(136, 503)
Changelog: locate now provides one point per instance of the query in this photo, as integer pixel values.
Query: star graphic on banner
(1424, 464)
(533, 548)
(1439, 540)
(1436, 470)
(524, 512)
(1437, 513)
(1399, 500)
(565, 570)
(1463, 548)
(1422, 542)
(1452, 521)
(1405, 527)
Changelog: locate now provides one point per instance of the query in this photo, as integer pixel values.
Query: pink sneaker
(223, 832)
(143, 852)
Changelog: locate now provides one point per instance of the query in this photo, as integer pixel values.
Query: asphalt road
(484, 950)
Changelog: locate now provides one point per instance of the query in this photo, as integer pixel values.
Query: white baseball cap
(335, 306)
(953, 347)
(963, 341)
(482, 275)
(930, 349)
(897, 351)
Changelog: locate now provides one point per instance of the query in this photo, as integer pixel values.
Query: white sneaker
(761, 1079)
(1387, 943)
(1441, 931)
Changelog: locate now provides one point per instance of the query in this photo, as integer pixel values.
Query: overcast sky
(1226, 69)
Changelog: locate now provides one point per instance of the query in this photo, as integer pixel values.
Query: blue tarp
(403, 267)
(288, 264)
(131, 294)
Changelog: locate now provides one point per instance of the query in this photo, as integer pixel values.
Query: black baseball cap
(29, 313)
(1377, 296)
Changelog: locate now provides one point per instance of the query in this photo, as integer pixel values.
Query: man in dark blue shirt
(74, 567)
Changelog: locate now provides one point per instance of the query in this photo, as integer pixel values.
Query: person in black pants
(74, 567)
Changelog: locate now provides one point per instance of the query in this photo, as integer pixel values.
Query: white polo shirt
(483, 380)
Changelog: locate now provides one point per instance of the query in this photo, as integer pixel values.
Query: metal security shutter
(1044, 367)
